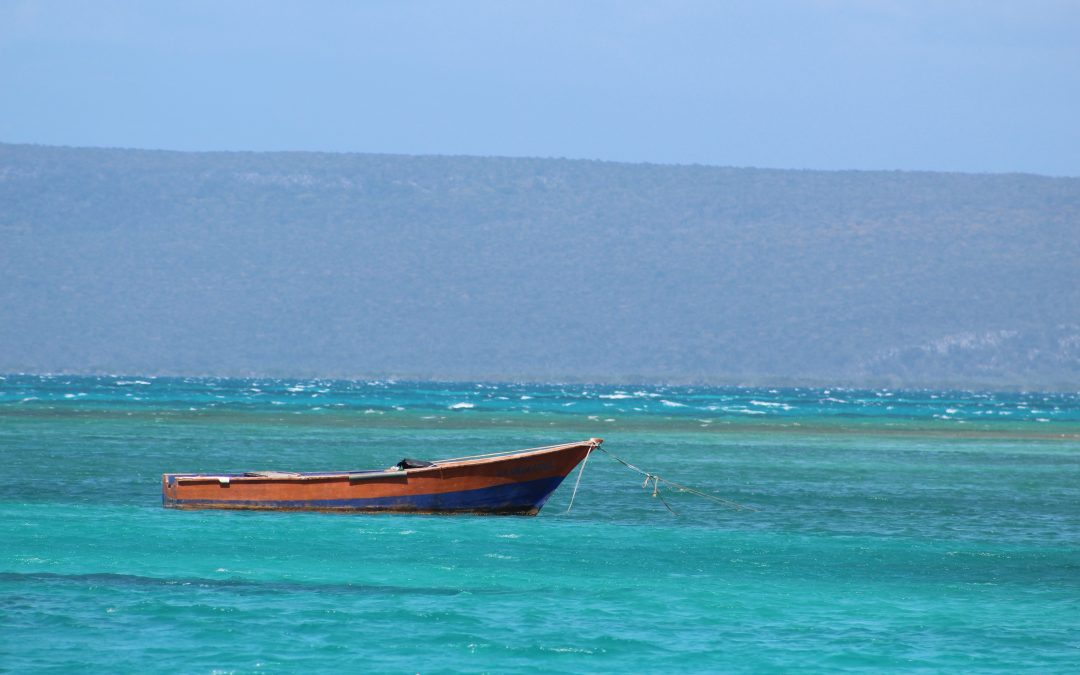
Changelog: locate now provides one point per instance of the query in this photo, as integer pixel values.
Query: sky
(982, 86)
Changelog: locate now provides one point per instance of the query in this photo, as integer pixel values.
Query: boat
(503, 483)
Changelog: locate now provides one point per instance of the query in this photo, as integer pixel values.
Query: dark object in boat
(409, 463)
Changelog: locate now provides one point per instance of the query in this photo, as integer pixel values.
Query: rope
(656, 486)
(656, 493)
(578, 481)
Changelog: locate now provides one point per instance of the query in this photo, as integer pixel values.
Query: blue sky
(954, 86)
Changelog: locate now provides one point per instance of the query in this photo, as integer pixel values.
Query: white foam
(770, 404)
(462, 406)
(672, 404)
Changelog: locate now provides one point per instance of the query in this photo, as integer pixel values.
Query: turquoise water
(922, 530)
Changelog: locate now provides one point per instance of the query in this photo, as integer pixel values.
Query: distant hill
(314, 264)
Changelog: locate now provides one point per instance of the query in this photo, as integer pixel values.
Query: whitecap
(567, 650)
(462, 406)
(672, 404)
(770, 404)
(744, 411)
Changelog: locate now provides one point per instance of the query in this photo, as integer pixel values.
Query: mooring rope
(578, 481)
(649, 476)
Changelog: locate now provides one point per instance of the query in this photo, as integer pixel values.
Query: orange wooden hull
(516, 483)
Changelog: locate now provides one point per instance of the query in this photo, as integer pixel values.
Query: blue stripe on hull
(515, 498)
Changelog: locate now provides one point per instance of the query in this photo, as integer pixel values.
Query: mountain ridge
(327, 263)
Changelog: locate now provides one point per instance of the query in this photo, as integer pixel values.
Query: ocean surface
(895, 529)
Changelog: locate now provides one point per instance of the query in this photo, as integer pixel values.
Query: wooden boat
(510, 483)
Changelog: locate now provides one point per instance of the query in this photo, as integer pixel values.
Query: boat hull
(514, 484)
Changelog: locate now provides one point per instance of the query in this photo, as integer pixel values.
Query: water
(929, 530)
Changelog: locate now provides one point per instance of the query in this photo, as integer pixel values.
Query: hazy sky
(946, 85)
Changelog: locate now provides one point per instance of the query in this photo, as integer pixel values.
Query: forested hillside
(467, 267)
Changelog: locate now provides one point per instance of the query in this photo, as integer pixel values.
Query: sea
(885, 529)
